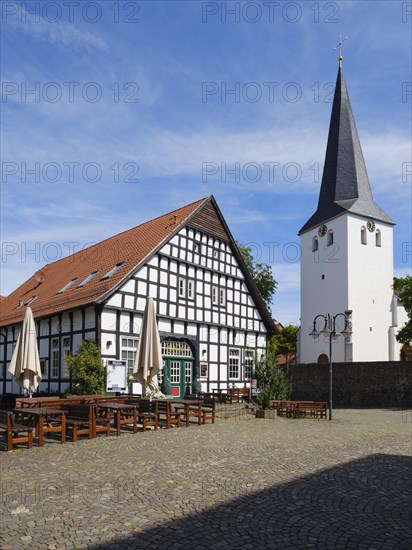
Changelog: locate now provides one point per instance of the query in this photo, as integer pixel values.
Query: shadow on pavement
(362, 504)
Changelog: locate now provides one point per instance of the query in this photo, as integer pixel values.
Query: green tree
(86, 368)
(285, 343)
(403, 287)
(261, 273)
(272, 380)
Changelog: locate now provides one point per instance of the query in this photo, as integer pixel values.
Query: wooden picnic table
(45, 420)
(122, 414)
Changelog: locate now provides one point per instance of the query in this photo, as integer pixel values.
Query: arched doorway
(323, 358)
(178, 362)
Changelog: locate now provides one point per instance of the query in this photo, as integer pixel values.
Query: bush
(86, 369)
(272, 380)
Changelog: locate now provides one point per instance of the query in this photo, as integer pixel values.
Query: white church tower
(347, 253)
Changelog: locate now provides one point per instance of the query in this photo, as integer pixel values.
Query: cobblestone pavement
(241, 483)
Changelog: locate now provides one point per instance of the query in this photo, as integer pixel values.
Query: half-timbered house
(211, 317)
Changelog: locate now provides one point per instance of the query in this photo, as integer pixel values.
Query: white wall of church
(324, 287)
(355, 273)
(370, 278)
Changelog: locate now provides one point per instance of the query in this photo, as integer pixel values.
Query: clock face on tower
(322, 230)
(370, 225)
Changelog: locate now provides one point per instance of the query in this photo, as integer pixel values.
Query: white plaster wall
(108, 320)
(111, 350)
(129, 286)
(115, 300)
(357, 277)
(327, 295)
(370, 293)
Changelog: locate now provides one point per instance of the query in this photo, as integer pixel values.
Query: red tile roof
(131, 247)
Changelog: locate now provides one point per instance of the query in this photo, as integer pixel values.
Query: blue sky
(132, 116)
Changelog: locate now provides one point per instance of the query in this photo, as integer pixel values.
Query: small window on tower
(330, 237)
(378, 238)
(364, 237)
(315, 244)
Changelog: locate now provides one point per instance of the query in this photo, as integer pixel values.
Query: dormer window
(112, 271)
(330, 237)
(87, 279)
(29, 301)
(315, 244)
(69, 284)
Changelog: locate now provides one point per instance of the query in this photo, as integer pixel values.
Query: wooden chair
(147, 414)
(13, 431)
(208, 410)
(79, 420)
(165, 414)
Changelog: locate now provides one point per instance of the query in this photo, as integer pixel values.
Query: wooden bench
(311, 408)
(220, 394)
(147, 413)
(238, 395)
(166, 416)
(189, 408)
(80, 420)
(13, 431)
(208, 410)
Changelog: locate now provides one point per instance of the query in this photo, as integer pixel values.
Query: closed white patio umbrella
(25, 362)
(149, 360)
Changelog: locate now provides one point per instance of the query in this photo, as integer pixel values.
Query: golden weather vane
(340, 47)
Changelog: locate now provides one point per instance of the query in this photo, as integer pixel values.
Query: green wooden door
(180, 373)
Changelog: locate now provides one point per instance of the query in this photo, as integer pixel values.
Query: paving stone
(241, 483)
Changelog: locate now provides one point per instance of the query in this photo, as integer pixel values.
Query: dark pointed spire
(345, 184)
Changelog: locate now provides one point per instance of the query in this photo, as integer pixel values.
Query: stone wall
(368, 384)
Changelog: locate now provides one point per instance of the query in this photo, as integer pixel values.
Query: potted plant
(273, 383)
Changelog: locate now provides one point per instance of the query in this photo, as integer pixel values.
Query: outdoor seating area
(232, 395)
(299, 409)
(90, 415)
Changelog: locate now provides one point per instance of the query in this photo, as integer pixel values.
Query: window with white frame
(315, 244)
(182, 288)
(55, 358)
(65, 352)
(43, 366)
(190, 290)
(234, 364)
(215, 295)
(175, 372)
(128, 351)
(364, 238)
(222, 296)
(249, 358)
(174, 348)
(188, 372)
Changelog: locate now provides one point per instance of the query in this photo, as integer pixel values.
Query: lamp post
(330, 331)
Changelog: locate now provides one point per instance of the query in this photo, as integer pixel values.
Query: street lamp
(330, 331)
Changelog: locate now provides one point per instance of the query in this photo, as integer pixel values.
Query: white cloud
(59, 33)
